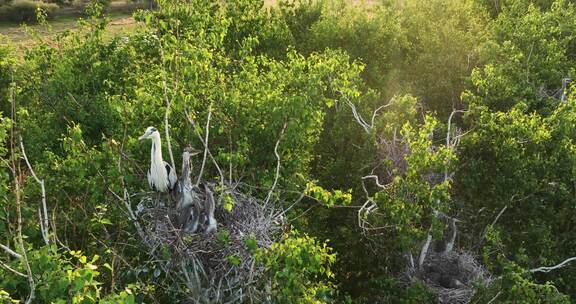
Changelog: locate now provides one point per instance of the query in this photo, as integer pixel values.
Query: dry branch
(12, 270)
(43, 218)
(550, 268)
(17, 175)
(277, 175)
(205, 143)
(168, 105)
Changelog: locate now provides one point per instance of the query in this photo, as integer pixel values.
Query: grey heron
(161, 176)
(185, 194)
(212, 224)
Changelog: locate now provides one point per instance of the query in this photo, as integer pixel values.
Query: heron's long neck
(186, 168)
(156, 152)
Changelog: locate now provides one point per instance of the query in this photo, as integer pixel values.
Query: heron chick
(161, 176)
(209, 206)
(185, 195)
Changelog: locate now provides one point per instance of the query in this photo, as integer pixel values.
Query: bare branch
(17, 196)
(43, 218)
(375, 177)
(499, 215)
(168, 105)
(424, 250)
(449, 142)
(368, 207)
(495, 297)
(43, 230)
(277, 165)
(12, 269)
(376, 112)
(10, 251)
(483, 235)
(550, 268)
(358, 117)
(191, 121)
(206, 136)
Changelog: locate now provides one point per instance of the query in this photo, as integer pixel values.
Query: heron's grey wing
(194, 218)
(184, 215)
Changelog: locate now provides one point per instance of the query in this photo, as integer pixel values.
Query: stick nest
(217, 267)
(452, 276)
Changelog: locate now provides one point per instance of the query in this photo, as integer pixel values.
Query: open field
(121, 21)
(21, 35)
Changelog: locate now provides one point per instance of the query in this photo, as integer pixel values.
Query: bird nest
(216, 267)
(453, 276)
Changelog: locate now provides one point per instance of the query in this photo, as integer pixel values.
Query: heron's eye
(153, 130)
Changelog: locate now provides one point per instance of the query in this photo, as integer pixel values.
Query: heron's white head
(149, 133)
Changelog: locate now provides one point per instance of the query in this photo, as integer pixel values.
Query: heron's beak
(195, 152)
(192, 151)
(142, 137)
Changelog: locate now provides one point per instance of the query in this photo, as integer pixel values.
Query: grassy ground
(120, 16)
(20, 35)
(120, 12)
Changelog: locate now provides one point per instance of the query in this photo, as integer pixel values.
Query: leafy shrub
(532, 154)
(61, 277)
(531, 51)
(25, 10)
(516, 284)
(300, 269)
(387, 289)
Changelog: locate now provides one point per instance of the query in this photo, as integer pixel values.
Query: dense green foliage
(332, 91)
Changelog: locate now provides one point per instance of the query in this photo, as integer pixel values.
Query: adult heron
(161, 176)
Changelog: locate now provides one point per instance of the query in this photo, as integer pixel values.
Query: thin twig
(485, 231)
(277, 165)
(494, 298)
(206, 134)
(12, 269)
(498, 216)
(10, 251)
(168, 105)
(191, 121)
(376, 112)
(449, 144)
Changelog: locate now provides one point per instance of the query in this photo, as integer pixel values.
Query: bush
(300, 269)
(25, 10)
